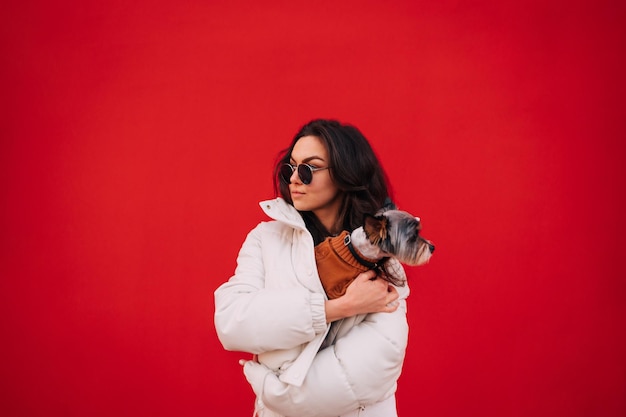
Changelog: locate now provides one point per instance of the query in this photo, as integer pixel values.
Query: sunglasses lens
(285, 173)
(305, 174)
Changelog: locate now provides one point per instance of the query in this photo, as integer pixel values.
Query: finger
(391, 307)
(379, 286)
(370, 274)
(366, 276)
(361, 277)
(383, 284)
(392, 295)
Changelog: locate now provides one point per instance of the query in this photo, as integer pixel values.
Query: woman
(314, 356)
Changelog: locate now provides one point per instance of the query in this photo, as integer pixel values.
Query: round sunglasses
(305, 172)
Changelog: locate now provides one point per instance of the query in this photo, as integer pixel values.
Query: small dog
(388, 233)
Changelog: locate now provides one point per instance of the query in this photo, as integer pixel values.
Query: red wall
(137, 138)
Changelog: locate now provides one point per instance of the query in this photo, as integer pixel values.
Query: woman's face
(321, 196)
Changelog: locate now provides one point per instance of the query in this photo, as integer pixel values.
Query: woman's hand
(366, 294)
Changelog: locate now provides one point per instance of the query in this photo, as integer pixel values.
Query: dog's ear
(375, 228)
(389, 205)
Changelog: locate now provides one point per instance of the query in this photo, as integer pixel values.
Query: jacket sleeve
(361, 368)
(250, 318)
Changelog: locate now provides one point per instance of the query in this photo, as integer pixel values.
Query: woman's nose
(294, 174)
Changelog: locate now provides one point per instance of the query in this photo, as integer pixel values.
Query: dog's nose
(431, 247)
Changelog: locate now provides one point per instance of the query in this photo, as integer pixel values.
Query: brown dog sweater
(336, 265)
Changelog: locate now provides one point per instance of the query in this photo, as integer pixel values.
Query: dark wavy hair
(355, 170)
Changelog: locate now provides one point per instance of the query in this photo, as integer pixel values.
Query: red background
(137, 138)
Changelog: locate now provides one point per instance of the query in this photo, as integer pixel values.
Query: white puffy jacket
(274, 307)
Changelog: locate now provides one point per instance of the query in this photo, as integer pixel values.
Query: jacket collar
(278, 209)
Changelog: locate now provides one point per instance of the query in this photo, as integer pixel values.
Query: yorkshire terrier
(389, 233)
